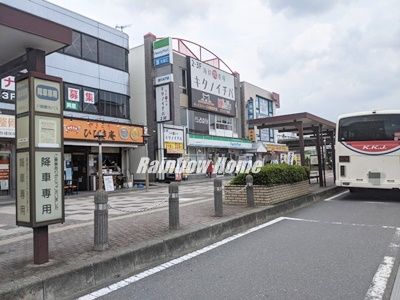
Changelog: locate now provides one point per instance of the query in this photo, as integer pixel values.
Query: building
(189, 99)
(96, 92)
(259, 103)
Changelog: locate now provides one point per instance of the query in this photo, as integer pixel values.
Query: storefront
(7, 155)
(81, 152)
(172, 139)
(212, 147)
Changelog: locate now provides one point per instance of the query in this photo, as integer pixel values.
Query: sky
(322, 56)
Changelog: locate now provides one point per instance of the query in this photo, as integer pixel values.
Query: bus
(368, 150)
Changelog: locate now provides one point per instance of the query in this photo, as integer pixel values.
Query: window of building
(264, 107)
(93, 101)
(95, 50)
(89, 48)
(75, 48)
(212, 122)
(184, 81)
(112, 56)
(224, 123)
(184, 116)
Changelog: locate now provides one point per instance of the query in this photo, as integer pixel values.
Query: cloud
(301, 7)
(325, 57)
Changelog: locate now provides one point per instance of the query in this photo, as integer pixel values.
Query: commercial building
(189, 99)
(259, 103)
(94, 69)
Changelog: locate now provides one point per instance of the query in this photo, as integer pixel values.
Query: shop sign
(73, 94)
(40, 199)
(163, 79)
(276, 98)
(8, 88)
(162, 52)
(22, 103)
(48, 188)
(7, 126)
(4, 171)
(85, 130)
(277, 147)
(210, 88)
(216, 141)
(46, 96)
(88, 97)
(108, 183)
(264, 134)
(200, 122)
(173, 140)
(23, 187)
(163, 105)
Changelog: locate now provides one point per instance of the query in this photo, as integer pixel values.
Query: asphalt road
(344, 248)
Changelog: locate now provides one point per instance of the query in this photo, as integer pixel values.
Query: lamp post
(100, 205)
(100, 136)
(146, 137)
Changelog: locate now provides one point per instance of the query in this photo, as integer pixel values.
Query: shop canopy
(303, 124)
(21, 32)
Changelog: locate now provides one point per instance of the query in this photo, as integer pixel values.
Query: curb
(70, 280)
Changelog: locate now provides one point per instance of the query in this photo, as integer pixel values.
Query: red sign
(88, 97)
(73, 94)
(373, 147)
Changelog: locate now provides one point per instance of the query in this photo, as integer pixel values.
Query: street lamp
(146, 137)
(100, 137)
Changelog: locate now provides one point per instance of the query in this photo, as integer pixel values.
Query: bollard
(218, 197)
(173, 206)
(100, 220)
(250, 191)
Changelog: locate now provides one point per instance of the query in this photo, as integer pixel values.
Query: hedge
(275, 174)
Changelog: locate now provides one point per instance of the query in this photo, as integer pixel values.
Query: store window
(90, 100)
(224, 123)
(89, 48)
(113, 105)
(112, 56)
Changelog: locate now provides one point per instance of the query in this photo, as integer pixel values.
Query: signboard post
(39, 143)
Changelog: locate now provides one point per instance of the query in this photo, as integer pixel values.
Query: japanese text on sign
(163, 103)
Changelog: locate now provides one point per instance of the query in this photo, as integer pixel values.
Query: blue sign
(162, 60)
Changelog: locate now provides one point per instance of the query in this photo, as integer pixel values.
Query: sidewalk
(71, 245)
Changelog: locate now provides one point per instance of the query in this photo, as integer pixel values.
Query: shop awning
(258, 147)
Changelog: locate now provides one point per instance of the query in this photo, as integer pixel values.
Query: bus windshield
(377, 127)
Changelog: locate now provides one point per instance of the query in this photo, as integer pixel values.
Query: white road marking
(341, 223)
(377, 288)
(137, 277)
(336, 196)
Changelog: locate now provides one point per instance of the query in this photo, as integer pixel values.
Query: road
(344, 248)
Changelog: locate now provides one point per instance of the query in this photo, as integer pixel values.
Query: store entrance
(79, 174)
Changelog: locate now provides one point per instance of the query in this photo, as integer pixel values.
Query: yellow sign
(277, 148)
(174, 148)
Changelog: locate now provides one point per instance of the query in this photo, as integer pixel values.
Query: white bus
(368, 150)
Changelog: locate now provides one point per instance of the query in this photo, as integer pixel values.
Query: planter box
(266, 195)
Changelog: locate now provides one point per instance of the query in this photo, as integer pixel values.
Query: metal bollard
(100, 220)
(250, 191)
(173, 206)
(218, 197)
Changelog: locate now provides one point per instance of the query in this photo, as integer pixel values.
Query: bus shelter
(304, 124)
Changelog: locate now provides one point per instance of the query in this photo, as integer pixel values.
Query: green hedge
(275, 174)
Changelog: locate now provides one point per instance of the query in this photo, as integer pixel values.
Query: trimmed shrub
(275, 174)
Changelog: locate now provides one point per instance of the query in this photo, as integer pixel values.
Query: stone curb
(71, 280)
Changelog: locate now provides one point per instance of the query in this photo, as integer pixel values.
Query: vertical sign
(162, 52)
(163, 104)
(40, 188)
